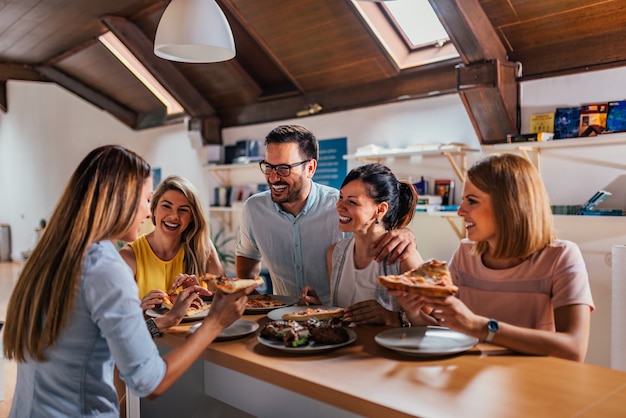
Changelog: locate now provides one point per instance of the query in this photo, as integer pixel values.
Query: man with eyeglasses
(291, 225)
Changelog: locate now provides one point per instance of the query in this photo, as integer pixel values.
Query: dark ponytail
(383, 186)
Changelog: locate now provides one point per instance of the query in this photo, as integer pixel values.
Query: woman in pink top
(519, 286)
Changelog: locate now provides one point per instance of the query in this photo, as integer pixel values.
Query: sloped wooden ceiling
(295, 53)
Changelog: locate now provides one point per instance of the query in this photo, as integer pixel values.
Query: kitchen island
(365, 379)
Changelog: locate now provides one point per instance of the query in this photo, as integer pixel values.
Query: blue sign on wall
(331, 167)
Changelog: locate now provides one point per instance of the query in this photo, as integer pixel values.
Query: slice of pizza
(308, 313)
(230, 284)
(168, 302)
(263, 302)
(430, 279)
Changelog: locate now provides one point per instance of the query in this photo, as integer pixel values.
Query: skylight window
(417, 20)
(408, 30)
(123, 54)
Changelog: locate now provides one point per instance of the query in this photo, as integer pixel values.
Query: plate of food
(308, 337)
(304, 313)
(260, 304)
(430, 279)
(193, 313)
(425, 341)
(239, 328)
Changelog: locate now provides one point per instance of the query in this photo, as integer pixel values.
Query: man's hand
(396, 244)
(308, 296)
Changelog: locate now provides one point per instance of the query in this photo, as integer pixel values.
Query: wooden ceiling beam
(127, 117)
(19, 72)
(486, 80)
(167, 74)
(414, 84)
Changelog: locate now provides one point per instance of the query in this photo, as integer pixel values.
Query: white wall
(43, 137)
(47, 131)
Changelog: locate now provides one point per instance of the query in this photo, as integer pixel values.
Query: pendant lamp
(194, 31)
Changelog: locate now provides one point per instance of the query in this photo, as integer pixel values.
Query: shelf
(225, 214)
(222, 171)
(224, 209)
(535, 148)
(452, 153)
(456, 222)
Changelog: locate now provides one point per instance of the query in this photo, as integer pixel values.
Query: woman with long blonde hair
(177, 252)
(74, 312)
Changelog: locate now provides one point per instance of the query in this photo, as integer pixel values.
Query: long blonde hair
(195, 238)
(99, 202)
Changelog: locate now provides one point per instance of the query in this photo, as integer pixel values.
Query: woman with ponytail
(371, 202)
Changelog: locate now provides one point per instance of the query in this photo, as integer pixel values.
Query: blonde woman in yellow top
(177, 251)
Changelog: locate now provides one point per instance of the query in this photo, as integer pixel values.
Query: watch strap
(492, 328)
(152, 326)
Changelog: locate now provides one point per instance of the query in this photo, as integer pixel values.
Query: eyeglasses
(283, 170)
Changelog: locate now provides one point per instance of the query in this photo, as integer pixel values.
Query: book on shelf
(592, 119)
(541, 122)
(445, 189)
(616, 116)
(512, 138)
(566, 122)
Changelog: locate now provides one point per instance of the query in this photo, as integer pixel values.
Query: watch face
(493, 325)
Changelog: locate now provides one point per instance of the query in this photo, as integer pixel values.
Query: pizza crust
(231, 285)
(430, 279)
(318, 313)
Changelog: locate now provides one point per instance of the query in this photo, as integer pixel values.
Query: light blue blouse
(292, 248)
(105, 326)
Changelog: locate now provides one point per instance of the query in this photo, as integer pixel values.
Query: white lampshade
(194, 31)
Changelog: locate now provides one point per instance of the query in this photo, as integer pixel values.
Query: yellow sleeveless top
(152, 272)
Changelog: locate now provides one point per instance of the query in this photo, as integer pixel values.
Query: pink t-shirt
(527, 294)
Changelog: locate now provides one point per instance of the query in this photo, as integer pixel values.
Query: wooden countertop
(370, 380)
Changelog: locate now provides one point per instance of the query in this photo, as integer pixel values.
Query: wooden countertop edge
(217, 354)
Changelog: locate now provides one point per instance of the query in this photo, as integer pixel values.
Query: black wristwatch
(404, 320)
(492, 329)
(152, 326)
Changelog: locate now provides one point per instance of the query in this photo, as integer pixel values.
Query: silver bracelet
(404, 320)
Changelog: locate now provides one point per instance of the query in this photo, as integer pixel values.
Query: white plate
(156, 313)
(277, 314)
(310, 347)
(425, 341)
(287, 300)
(239, 328)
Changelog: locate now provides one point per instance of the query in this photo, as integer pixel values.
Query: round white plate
(287, 300)
(425, 341)
(155, 313)
(277, 314)
(239, 328)
(310, 347)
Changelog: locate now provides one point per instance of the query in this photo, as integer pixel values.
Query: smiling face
(296, 186)
(357, 210)
(143, 212)
(172, 213)
(477, 210)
